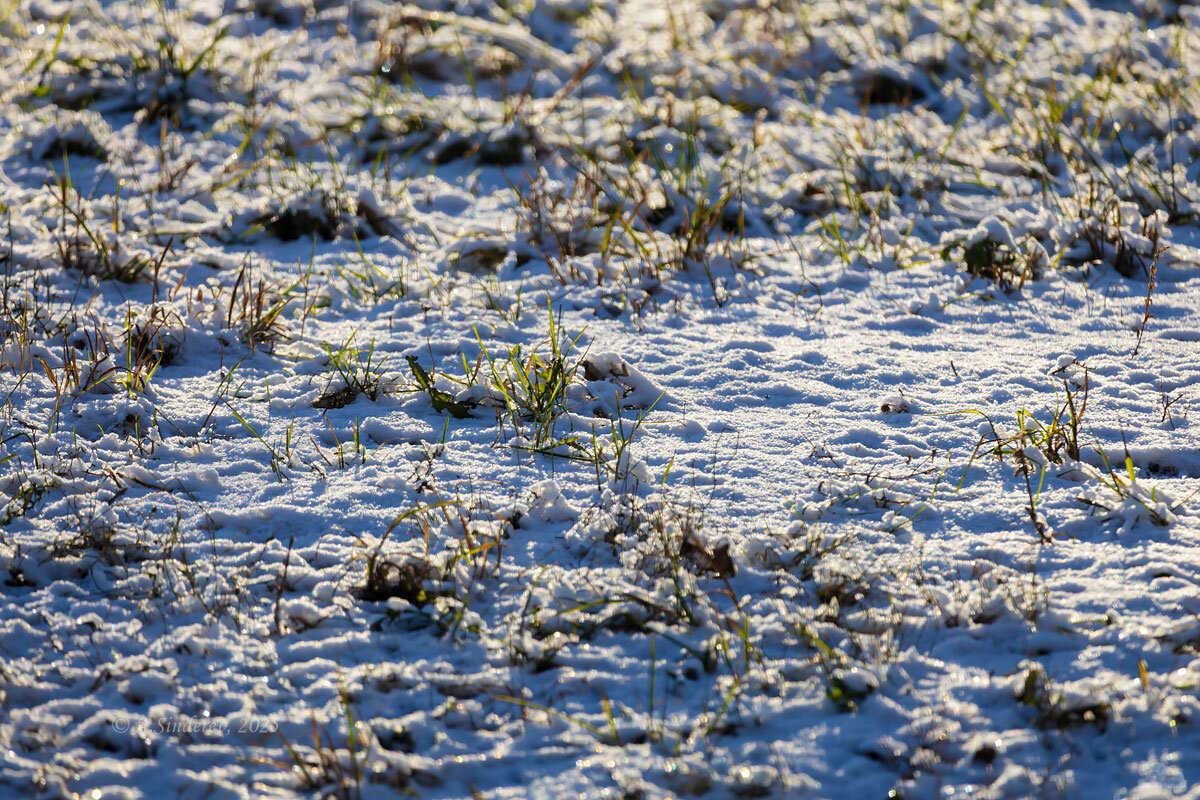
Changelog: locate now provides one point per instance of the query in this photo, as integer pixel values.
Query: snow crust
(811, 288)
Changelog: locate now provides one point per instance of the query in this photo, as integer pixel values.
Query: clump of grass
(335, 772)
(1104, 234)
(408, 579)
(368, 282)
(1053, 708)
(155, 340)
(443, 401)
(256, 309)
(360, 373)
(531, 385)
(174, 71)
(1129, 499)
(83, 245)
(565, 221)
(27, 493)
(1035, 445)
(96, 360)
(997, 261)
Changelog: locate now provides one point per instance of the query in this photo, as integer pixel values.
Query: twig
(279, 586)
(1141, 329)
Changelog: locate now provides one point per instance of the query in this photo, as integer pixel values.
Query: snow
(601, 399)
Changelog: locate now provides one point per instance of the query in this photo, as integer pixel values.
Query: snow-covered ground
(601, 399)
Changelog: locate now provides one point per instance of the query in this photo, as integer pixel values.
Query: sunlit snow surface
(759, 220)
